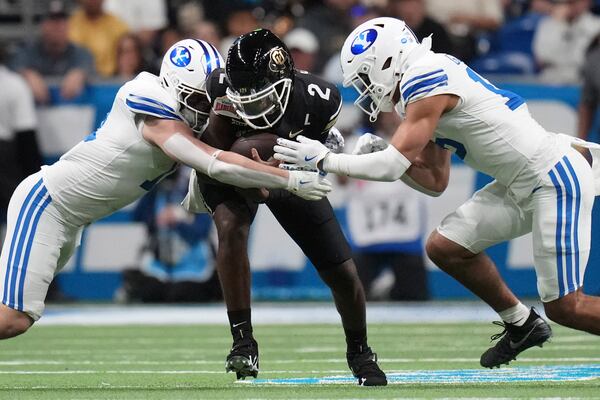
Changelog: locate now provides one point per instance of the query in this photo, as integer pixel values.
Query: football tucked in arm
(263, 143)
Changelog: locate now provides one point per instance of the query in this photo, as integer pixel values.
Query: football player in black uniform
(260, 91)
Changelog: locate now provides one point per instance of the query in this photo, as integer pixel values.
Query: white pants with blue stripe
(558, 214)
(38, 243)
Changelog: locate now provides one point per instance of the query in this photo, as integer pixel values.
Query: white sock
(516, 315)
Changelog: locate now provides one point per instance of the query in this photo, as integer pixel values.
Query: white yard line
(166, 372)
(281, 313)
(280, 362)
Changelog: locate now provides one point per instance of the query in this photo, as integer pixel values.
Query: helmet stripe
(217, 55)
(209, 67)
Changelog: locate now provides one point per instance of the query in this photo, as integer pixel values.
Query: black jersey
(312, 110)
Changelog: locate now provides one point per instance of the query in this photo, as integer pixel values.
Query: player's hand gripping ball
(258, 147)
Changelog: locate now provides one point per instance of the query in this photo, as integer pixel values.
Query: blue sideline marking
(554, 373)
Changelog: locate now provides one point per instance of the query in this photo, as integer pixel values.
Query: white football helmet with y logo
(373, 58)
(183, 72)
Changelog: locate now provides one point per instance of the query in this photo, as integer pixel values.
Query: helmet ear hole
(387, 64)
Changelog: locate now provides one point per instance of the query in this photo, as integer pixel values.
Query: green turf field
(187, 362)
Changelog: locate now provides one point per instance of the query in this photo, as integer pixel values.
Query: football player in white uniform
(542, 183)
(150, 129)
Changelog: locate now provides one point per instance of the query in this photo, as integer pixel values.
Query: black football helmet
(260, 72)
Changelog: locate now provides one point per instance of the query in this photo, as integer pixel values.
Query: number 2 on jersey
(315, 89)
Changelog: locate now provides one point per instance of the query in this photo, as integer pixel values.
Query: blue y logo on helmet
(363, 41)
(180, 56)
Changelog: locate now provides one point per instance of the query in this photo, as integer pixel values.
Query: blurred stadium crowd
(112, 39)
(72, 43)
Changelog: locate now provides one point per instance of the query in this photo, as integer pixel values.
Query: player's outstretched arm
(390, 164)
(176, 139)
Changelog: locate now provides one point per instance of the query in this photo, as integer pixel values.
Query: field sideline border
(266, 313)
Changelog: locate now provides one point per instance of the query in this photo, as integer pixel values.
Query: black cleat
(364, 367)
(516, 339)
(243, 358)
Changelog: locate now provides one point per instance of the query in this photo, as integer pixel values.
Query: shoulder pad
(216, 88)
(420, 81)
(145, 95)
(216, 84)
(322, 96)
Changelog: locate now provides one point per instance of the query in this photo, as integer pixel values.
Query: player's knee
(13, 323)
(342, 277)
(436, 248)
(232, 229)
(562, 311)
(443, 252)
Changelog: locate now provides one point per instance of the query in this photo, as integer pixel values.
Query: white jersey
(490, 129)
(115, 165)
(17, 109)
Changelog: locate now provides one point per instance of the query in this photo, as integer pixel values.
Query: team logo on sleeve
(363, 41)
(180, 56)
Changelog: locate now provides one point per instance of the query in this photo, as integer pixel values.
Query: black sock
(356, 341)
(240, 323)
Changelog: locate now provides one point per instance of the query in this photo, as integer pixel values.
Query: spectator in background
(467, 15)
(466, 20)
(239, 22)
(330, 22)
(332, 71)
(518, 8)
(543, 7)
(414, 13)
(561, 40)
(19, 152)
(52, 55)
(98, 31)
(166, 38)
(188, 16)
(386, 223)
(304, 47)
(590, 91)
(282, 20)
(130, 58)
(145, 18)
(207, 31)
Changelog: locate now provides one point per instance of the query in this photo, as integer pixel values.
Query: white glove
(369, 143)
(334, 141)
(304, 154)
(308, 185)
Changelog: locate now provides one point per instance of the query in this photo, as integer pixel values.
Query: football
(262, 142)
